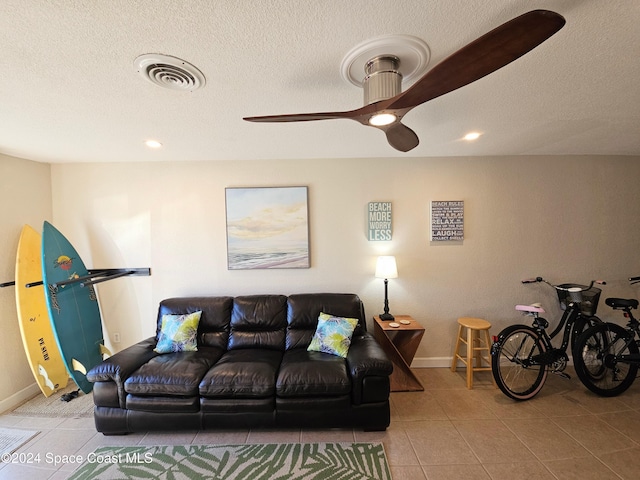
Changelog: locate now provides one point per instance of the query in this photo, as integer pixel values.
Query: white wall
(569, 219)
(25, 198)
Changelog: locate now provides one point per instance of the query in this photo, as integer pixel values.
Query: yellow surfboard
(38, 338)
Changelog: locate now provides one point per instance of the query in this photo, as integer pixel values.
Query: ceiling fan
(479, 58)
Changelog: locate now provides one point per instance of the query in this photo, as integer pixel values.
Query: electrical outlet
(116, 338)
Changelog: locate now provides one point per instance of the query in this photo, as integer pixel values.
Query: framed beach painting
(267, 227)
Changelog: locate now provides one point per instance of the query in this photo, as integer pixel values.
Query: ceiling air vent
(169, 72)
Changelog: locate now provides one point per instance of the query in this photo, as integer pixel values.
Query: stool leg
(478, 349)
(470, 335)
(454, 362)
(488, 340)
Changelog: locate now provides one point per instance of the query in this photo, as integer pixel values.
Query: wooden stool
(476, 346)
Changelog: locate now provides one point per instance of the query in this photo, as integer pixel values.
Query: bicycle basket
(588, 299)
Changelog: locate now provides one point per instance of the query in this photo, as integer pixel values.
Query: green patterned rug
(274, 461)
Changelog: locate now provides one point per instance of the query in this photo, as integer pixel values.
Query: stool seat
(477, 347)
(474, 323)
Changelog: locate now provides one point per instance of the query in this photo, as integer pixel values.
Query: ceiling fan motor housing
(383, 80)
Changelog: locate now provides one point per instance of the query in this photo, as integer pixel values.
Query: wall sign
(379, 217)
(447, 220)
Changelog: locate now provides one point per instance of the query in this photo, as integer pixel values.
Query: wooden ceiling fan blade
(300, 117)
(401, 137)
(481, 57)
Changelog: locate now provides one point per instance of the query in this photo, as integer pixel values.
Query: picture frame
(447, 220)
(267, 227)
(379, 221)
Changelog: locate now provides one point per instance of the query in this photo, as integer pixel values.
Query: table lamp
(386, 268)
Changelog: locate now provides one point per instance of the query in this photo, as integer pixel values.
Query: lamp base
(386, 316)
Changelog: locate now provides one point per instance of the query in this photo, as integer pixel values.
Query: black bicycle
(522, 355)
(606, 357)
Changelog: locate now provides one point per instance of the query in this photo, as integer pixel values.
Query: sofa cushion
(303, 311)
(304, 374)
(237, 405)
(163, 404)
(242, 373)
(258, 321)
(213, 329)
(177, 373)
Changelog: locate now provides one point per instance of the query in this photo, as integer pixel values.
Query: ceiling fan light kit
(382, 119)
(386, 104)
(383, 80)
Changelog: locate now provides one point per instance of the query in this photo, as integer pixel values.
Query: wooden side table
(400, 344)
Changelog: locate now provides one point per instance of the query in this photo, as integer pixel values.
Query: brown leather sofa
(252, 370)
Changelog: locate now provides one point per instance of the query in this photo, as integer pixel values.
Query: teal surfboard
(73, 309)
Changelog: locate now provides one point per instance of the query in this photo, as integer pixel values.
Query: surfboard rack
(111, 273)
(98, 276)
(95, 276)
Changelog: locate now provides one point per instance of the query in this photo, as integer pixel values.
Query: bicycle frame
(633, 328)
(567, 323)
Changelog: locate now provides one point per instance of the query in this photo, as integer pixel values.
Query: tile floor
(445, 432)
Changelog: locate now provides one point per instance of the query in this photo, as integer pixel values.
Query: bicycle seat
(618, 303)
(535, 308)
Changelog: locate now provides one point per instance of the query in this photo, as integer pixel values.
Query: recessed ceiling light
(471, 136)
(153, 144)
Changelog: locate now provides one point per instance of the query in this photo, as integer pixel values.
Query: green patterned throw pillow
(178, 333)
(333, 335)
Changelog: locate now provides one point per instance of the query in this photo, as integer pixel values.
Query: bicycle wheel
(515, 362)
(596, 363)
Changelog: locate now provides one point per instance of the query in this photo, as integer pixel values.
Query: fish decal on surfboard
(47, 381)
(38, 337)
(73, 309)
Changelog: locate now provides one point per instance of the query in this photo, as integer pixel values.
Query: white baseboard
(444, 362)
(19, 398)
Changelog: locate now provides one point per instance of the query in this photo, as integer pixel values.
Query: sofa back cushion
(304, 309)
(258, 321)
(263, 321)
(213, 329)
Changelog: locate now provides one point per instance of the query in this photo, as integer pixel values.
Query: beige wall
(566, 218)
(569, 219)
(25, 198)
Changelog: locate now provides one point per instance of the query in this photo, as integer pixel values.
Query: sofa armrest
(120, 366)
(367, 359)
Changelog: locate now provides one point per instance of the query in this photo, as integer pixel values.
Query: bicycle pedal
(563, 375)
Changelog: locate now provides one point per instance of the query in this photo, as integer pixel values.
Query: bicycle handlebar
(533, 280)
(558, 287)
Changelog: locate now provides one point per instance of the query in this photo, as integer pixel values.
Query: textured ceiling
(69, 92)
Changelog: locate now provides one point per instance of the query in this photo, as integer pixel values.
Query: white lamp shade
(386, 267)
